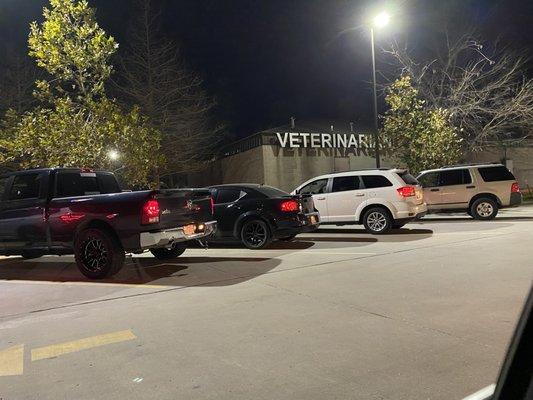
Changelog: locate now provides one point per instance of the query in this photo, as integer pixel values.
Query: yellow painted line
(55, 350)
(12, 361)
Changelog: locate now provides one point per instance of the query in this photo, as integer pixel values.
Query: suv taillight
(289, 206)
(515, 188)
(150, 212)
(212, 206)
(406, 191)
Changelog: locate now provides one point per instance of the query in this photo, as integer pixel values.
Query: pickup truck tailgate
(179, 207)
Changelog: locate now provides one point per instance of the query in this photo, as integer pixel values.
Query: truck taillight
(289, 206)
(150, 212)
(406, 191)
(515, 188)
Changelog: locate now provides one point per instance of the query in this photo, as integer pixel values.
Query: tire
(398, 225)
(31, 254)
(255, 234)
(377, 221)
(484, 209)
(169, 254)
(98, 253)
(288, 238)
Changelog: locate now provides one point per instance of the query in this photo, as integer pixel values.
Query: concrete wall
(287, 168)
(245, 167)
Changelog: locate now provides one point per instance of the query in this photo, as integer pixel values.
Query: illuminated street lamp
(113, 155)
(381, 20)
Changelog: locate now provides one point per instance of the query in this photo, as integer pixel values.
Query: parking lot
(423, 313)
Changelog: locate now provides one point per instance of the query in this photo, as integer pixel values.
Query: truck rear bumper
(165, 238)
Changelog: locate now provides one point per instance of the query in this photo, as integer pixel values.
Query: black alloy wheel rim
(94, 254)
(255, 234)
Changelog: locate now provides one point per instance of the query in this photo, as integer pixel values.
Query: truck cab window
(73, 184)
(26, 186)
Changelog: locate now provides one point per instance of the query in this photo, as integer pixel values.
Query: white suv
(380, 199)
(479, 189)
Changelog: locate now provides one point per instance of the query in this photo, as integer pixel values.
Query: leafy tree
(420, 137)
(76, 124)
(73, 49)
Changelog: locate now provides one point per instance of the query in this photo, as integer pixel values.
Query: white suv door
(430, 185)
(345, 196)
(318, 189)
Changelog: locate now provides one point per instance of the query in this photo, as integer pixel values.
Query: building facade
(286, 156)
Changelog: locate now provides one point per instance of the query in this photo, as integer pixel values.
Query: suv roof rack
(471, 164)
(366, 169)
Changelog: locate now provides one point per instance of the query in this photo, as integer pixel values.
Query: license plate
(312, 219)
(189, 229)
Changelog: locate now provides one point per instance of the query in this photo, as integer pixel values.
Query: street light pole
(376, 126)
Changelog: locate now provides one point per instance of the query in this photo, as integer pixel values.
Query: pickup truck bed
(66, 211)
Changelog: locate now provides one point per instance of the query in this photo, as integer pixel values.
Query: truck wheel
(98, 254)
(377, 221)
(169, 254)
(484, 209)
(255, 234)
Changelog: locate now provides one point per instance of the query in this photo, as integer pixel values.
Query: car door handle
(434, 190)
(359, 194)
(470, 187)
(321, 198)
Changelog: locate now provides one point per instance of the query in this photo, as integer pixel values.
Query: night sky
(268, 60)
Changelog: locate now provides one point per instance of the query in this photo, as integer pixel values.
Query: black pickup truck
(85, 213)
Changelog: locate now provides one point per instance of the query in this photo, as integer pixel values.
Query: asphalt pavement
(423, 313)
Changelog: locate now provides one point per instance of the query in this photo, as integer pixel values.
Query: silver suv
(480, 190)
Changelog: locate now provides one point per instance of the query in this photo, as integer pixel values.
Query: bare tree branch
(154, 76)
(486, 90)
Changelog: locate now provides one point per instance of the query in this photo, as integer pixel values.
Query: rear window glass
(492, 174)
(345, 183)
(455, 177)
(227, 195)
(25, 186)
(375, 181)
(108, 183)
(73, 184)
(270, 191)
(408, 178)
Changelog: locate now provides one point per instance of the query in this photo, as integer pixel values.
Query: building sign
(324, 140)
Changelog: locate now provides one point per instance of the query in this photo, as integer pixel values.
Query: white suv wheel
(377, 220)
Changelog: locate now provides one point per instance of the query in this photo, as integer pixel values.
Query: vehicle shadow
(275, 245)
(448, 219)
(184, 271)
(395, 235)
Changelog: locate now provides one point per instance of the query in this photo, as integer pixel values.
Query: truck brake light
(150, 212)
(289, 206)
(406, 191)
(515, 188)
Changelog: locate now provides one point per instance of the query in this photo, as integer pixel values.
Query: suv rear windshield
(408, 178)
(492, 174)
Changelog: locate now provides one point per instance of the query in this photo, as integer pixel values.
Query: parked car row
(85, 213)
